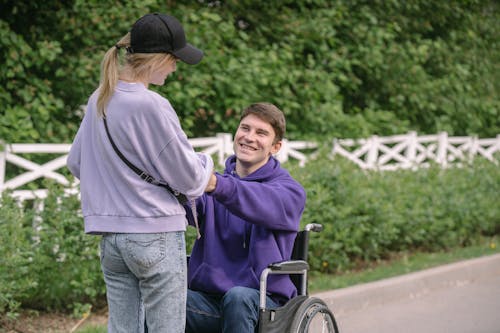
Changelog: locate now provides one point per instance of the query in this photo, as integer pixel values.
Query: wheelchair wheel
(313, 316)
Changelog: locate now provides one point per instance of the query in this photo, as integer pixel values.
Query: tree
(339, 68)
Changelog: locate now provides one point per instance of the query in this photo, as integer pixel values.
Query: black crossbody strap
(144, 175)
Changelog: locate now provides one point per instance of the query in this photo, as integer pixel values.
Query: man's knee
(241, 296)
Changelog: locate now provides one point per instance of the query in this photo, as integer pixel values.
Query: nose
(249, 136)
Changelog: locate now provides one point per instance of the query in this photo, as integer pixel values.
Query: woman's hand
(212, 183)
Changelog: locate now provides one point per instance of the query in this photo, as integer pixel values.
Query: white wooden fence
(376, 153)
(410, 151)
(220, 146)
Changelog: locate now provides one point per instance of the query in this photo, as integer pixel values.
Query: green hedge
(46, 260)
(370, 215)
(342, 68)
(48, 263)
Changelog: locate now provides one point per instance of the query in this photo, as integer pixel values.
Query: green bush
(15, 256)
(343, 68)
(46, 260)
(372, 215)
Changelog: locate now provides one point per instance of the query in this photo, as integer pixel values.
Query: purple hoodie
(246, 224)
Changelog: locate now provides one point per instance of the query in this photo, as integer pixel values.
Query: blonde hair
(140, 66)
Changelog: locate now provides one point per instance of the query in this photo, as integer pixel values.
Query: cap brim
(189, 54)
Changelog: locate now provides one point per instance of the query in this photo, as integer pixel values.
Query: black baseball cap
(160, 33)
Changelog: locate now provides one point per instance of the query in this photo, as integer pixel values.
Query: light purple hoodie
(146, 129)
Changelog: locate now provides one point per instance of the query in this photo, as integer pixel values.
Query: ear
(276, 147)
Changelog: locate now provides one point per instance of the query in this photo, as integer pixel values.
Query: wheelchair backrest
(300, 252)
(301, 246)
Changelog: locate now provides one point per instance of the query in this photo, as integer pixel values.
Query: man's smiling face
(254, 142)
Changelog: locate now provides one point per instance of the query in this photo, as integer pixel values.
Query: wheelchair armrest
(283, 267)
(289, 266)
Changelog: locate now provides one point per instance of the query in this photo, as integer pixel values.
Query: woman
(142, 225)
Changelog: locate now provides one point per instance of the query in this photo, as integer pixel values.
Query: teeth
(247, 147)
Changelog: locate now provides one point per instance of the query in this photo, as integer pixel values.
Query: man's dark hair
(271, 114)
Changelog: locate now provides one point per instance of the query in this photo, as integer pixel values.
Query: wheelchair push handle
(316, 227)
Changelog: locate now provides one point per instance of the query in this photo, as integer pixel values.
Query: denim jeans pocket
(146, 250)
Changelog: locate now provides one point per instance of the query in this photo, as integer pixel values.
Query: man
(249, 218)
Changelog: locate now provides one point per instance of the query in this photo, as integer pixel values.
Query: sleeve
(164, 150)
(75, 152)
(275, 205)
(183, 169)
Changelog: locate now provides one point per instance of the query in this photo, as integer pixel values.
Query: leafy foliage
(341, 68)
(46, 261)
(337, 68)
(370, 215)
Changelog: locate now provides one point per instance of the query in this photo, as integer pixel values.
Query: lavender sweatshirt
(246, 224)
(146, 129)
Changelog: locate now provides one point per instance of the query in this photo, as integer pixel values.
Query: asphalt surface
(463, 297)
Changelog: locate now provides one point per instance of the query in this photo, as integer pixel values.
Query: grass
(402, 264)
(93, 329)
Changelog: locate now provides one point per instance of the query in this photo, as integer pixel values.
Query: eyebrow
(259, 130)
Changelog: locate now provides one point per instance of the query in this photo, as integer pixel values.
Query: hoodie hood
(266, 172)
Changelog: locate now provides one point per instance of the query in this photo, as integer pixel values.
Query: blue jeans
(145, 275)
(235, 311)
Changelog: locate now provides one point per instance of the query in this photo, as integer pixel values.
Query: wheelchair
(302, 314)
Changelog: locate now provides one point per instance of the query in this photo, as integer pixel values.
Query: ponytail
(109, 74)
(140, 65)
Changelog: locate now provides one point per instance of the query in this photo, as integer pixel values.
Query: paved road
(458, 298)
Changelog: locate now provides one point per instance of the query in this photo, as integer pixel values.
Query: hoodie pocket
(210, 279)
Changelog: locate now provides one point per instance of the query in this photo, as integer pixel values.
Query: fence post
(226, 149)
(442, 149)
(474, 143)
(371, 158)
(411, 150)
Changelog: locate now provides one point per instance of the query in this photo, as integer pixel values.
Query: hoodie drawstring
(195, 216)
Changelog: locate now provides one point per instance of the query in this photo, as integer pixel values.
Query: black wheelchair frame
(302, 313)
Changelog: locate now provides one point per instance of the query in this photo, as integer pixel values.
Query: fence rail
(220, 147)
(408, 151)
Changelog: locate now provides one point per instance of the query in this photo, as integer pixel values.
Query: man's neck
(242, 169)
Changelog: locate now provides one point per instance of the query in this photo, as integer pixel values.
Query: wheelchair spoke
(314, 316)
